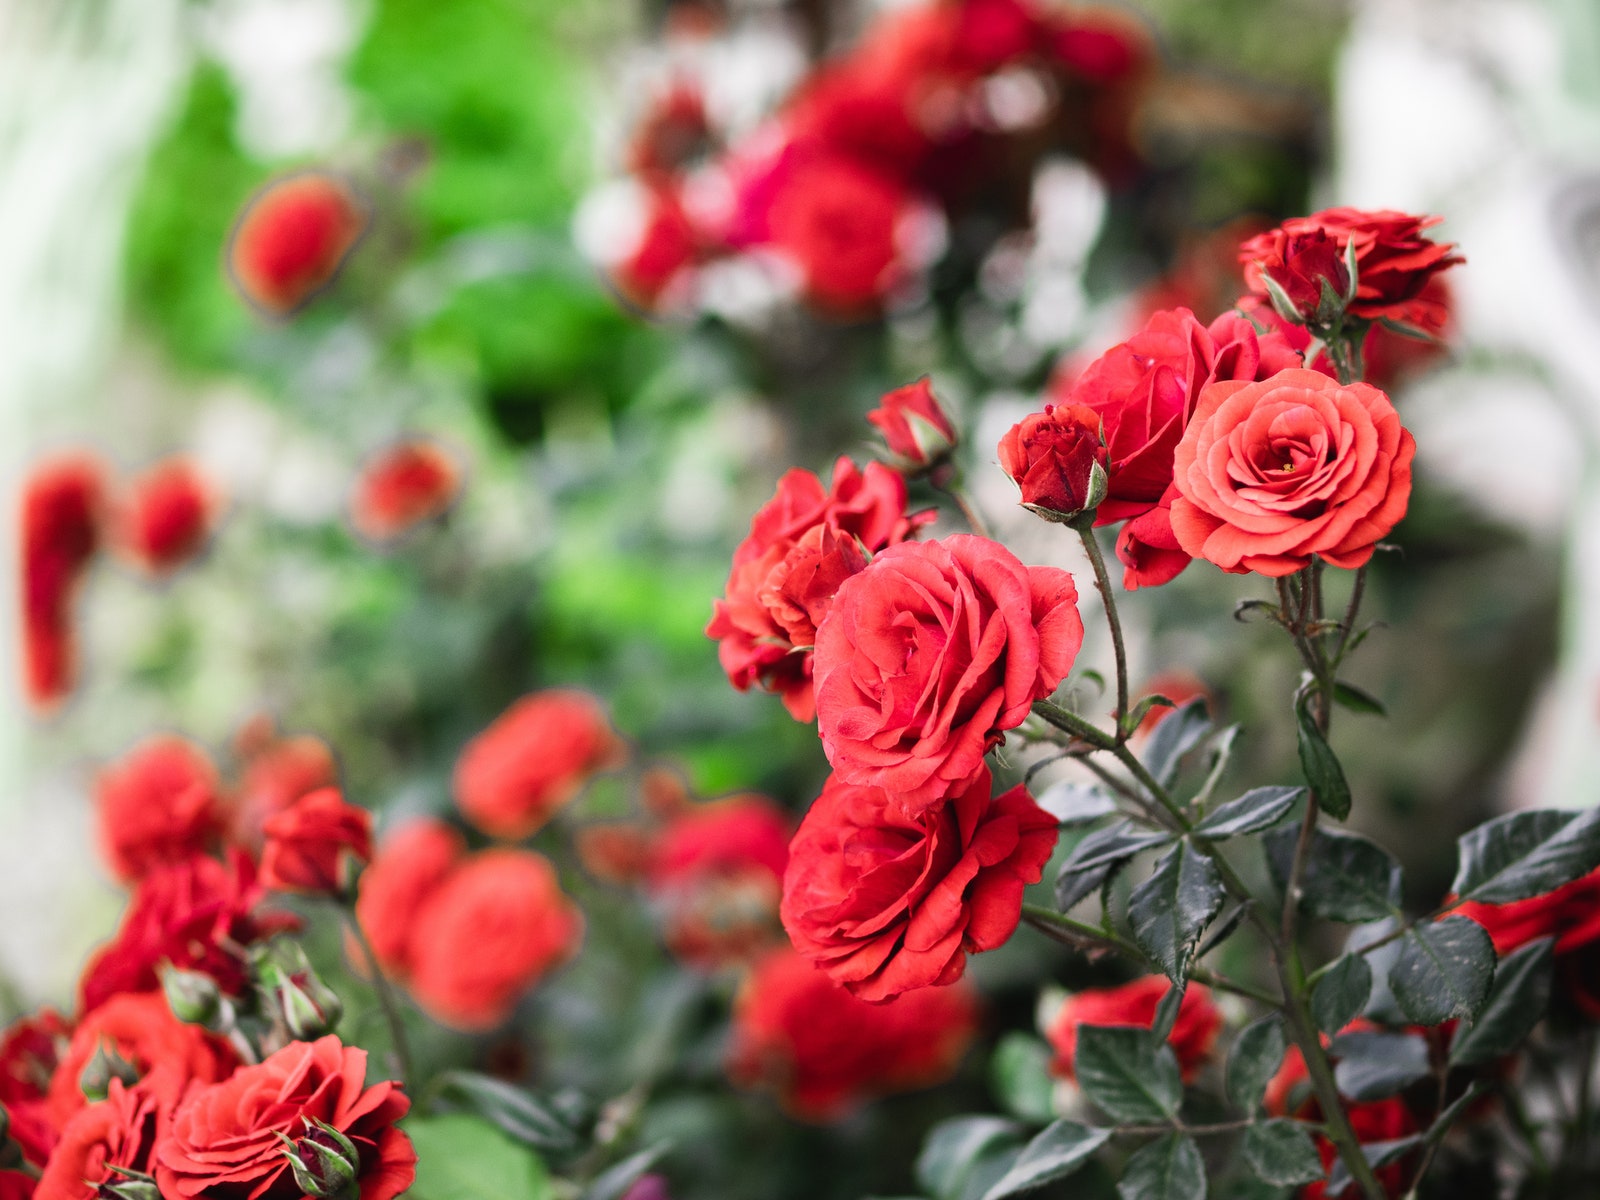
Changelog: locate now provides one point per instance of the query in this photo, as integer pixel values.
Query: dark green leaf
(1322, 768)
(613, 1183)
(1526, 854)
(1357, 700)
(953, 1148)
(1128, 1072)
(1377, 1154)
(1459, 1105)
(1167, 1011)
(1516, 1003)
(1094, 859)
(1373, 1065)
(1019, 1072)
(1253, 1060)
(1260, 808)
(1219, 751)
(1444, 970)
(1341, 993)
(1170, 910)
(1074, 803)
(1346, 878)
(461, 1156)
(1223, 929)
(528, 1118)
(1054, 1154)
(1178, 733)
(1141, 709)
(1169, 1168)
(1282, 1152)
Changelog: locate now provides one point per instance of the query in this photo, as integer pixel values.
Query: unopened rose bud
(919, 434)
(1313, 282)
(193, 997)
(325, 1163)
(104, 1065)
(1059, 461)
(310, 1008)
(127, 1185)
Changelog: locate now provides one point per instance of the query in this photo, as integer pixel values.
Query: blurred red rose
(1051, 456)
(316, 845)
(29, 1052)
(661, 246)
(60, 511)
(16, 1185)
(407, 868)
(1193, 1034)
(913, 711)
(121, 1131)
(1269, 474)
(159, 803)
(276, 771)
(673, 132)
(229, 1138)
(533, 759)
(825, 1052)
(886, 899)
(915, 426)
(164, 516)
(1571, 915)
(292, 237)
(404, 485)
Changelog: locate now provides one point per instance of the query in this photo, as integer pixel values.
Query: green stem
(1102, 582)
(385, 994)
(963, 505)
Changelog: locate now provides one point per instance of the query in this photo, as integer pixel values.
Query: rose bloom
(409, 865)
(404, 485)
(1051, 456)
(1270, 474)
(276, 772)
(164, 517)
(1571, 915)
(293, 237)
(486, 934)
(1394, 261)
(915, 427)
(226, 1139)
(825, 1052)
(16, 1185)
(316, 845)
(887, 899)
(121, 1131)
(159, 803)
(930, 654)
(652, 265)
(62, 498)
(1193, 1034)
(29, 1052)
(533, 759)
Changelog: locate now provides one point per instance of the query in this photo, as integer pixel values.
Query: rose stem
(1102, 581)
(386, 999)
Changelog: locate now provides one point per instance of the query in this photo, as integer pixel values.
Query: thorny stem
(385, 994)
(1102, 581)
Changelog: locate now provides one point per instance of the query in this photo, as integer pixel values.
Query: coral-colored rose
(159, 803)
(29, 1053)
(316, 845)
(409, 865)
(163, 1053)
(1394, 261)
(121, 1131)
(1571, 915)
(226, 1139)
(915, 426)
(277, 771)
(164, 516)
(802, 545)
(1269, 474)
(533, 759)
(887, 899)
(292, 238)
(824, 1052)
(1051, 455)
(1193, 1034)
(60, 510)
(400, 487)
(486, 934)
(930, 654)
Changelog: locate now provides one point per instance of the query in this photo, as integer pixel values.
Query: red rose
(1394, 262)
(316, 845)
(29, 1052)
(1311, 274)
(1571, 915)
(121, 1131)
(915, 427)
(62, 499)
(402, 486)
(409, 865)
(930, 654)
(534, 758)
(1148, 549)
(16, 1185)
(292, 238)
(159, 803)
(1052, 456)
(228, 1139)
(824, 1052)
(1270, 474)
(1193, 1034)
(652, 264)
(277, 771)
(165, 516)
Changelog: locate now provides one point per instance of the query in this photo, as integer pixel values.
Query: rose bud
(292, 239)
(195, 999)
(1059, 459)
(1313, 283)
(317, 845)
(915, 427)
(104, 1065)
(294, 994)
(325, 1162)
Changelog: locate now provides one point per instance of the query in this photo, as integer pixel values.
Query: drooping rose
(292, 238)
(1052, 456)
(229, 1138)
(316, 845)
(1269, 474)
(30, 1050)
(1571, 915)
(887, 900)
(59, 532)
(534, 758)
(409, 865)
(931, 654)
(159, 803)
(121, 1132)
(824, 1052)
(915, 426)
(1193, 1035)
(165, 516)
(402, 486)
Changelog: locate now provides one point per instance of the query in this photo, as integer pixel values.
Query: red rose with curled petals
(30, 1051)
(60, 515)
(1148, 549)
(799, 589)
(226, 1140)
(824, 1052)
(1269, 474)
(159, 803)
(887, 900)
(292, 239)
(121, 1131)
(316, 845)
(930, 654)
(1052, 456)
(1571, 915)
(915, 426)
(1193, 1034)
(401, 487)
(408, 866)
(276, 772)
(165, 516)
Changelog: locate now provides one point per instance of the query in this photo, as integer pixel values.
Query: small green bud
(128, 1185)
(104, 1065)
(193, 997)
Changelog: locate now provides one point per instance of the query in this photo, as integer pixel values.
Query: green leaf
(1223, 929)
(1282, 1152)
(1526, 854)
(1374, 1064)
(1057, 1152)
(515, 1111)
(1169, 1168)
(1178, 733)
(1444, 970)
(1074, 803)
(1516, 1003)
(1094, 859)
(1141, 709)
(1377, 1154)
(1341, 993)
(953, 1149)
(1346, 878)
(1253, 1060)
(1258, 809)
(463, 1157)
(1128, 1072)
(1019, 1072)
(1357, 700)
(1170, 910)
(1322, 768)
(613, 1183)
(1167, 1009)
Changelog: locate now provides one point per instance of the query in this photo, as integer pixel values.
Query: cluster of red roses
(842, 193)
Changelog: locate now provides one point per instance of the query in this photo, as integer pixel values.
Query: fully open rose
(930, 654)
(1269, 474)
